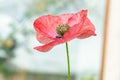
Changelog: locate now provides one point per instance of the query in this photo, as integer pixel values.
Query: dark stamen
(58, 36)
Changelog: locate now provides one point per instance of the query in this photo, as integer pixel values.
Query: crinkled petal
(47, 24)
(43, 38)
(77, 18)
(73, 31)
(65, 17)
(46, 47)
(87, 30)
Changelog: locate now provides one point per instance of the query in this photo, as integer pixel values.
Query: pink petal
(65, 17)
(47, 24)
(43, 38)
(87, 30)
(49, 46)
(46, 47)
(73, 31)
(77, 18)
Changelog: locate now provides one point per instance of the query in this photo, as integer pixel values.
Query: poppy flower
(54, 30)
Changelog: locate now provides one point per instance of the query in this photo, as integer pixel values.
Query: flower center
(62, 29)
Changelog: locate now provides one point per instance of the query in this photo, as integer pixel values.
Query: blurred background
(18, 59)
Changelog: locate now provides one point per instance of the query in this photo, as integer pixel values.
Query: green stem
(68, 61)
